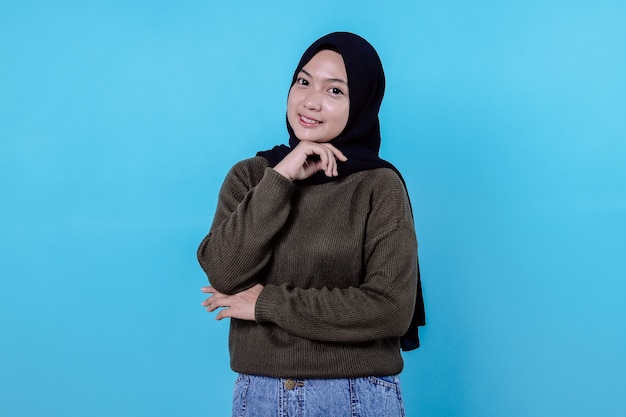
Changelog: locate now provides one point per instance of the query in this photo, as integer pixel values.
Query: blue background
(120, 119)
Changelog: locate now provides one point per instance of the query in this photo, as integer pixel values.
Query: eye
(335, 91)
(302, 81)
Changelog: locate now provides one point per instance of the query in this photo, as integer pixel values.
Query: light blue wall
(119, 120)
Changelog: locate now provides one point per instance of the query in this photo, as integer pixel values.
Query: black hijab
(360, 139)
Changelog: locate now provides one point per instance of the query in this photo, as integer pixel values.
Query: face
(318, 103)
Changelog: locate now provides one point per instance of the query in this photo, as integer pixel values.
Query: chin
(308, 137)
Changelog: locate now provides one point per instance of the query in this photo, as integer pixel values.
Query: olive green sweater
(339, 265)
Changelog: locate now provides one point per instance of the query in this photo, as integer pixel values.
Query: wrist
(283, 173)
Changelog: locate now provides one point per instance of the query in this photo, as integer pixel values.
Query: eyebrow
(339, 80)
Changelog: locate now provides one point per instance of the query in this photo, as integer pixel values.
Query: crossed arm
(297, 165)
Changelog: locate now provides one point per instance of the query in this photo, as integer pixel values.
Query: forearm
(380, 307)
(238, 247)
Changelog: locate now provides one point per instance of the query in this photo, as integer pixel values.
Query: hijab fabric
(360, 139)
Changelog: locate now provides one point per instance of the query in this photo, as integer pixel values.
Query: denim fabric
(258, 396)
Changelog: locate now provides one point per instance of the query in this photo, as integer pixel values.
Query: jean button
(290, 384)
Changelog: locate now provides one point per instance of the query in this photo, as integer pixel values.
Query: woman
(312, 252)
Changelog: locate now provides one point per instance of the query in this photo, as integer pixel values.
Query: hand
(238, 306)
(300, 163)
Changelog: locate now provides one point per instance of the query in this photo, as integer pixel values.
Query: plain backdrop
(120, 119)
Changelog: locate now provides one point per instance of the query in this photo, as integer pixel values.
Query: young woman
(312, 252)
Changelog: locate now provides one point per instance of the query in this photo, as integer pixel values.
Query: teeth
(307, 120)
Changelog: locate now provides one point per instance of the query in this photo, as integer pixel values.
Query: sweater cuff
(265, 308)
(276, 183)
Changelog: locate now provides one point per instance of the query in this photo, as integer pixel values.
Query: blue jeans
(259, 396)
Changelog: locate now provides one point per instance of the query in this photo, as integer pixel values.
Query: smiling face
(318, 105)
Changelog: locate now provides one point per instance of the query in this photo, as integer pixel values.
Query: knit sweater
(339, 266)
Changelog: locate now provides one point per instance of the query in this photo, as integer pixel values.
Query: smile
(308, 121)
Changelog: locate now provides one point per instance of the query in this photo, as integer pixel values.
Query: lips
(307, 121)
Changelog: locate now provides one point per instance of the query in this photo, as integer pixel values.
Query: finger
(334, 155)
(336, 152)
(207, 289)
(332, 164)
(322, 164)
(207, 301)
(211, 307)
(339, 155)
(224, 313)
(326, 161)
(216, 301)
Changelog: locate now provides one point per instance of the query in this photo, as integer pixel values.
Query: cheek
(292, 100)
(292, 113)
(342, 114)
(290, 106)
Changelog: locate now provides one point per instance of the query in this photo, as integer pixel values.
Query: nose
(313, 101)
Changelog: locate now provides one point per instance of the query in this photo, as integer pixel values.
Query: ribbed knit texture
(339, 265)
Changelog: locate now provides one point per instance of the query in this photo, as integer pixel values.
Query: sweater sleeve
(248, 216)
(381, 306)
